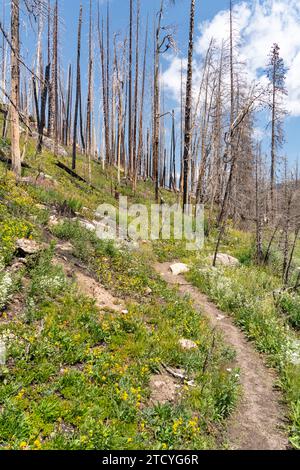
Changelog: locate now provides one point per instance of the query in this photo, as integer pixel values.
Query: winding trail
(259, 421)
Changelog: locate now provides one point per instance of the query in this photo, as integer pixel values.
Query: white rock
(65, 247)
(28, 247)
(226, 260)
(187, 344)
(179, 268)
(220, 317)
(88, 225)
(54, 221)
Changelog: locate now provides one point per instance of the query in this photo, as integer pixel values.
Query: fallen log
(8, 161)
(74, 174)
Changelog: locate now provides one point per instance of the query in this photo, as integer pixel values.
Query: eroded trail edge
(259, 420)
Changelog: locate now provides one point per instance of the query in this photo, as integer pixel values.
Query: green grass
(77, 377)
(247, 294)
(250, 294)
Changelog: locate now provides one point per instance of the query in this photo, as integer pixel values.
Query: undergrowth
(77, 377)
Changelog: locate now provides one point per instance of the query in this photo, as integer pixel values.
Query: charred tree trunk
(15, 87)
(78, 86)
(188, 110)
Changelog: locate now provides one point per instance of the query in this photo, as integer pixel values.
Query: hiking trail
(259, 420)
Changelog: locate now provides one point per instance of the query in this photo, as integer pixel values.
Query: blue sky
(261, 21)
(269, 14)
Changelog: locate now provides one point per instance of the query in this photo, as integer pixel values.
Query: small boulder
(28, 247)
(54, 221)
(226, 260)
(179, 268)
(65, 247)
(163, 389)
(187, 344)
(88, 225)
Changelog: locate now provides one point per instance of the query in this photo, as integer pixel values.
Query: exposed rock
(128, 245)
(163, 389)
(27, 247)
(226, 260)
(187, 344)
(49, 144)
(102, 297)
(17, 266)
(220, 317)
(88, 225)
(65, 247)
(41, 207)
(148, 291)
(42, 180)
(54, 221)
(179, 268)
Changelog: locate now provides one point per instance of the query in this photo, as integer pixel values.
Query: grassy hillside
(251, 294)
(78, 376)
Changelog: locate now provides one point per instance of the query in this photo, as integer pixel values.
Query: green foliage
(288, 304)
(247, 293)
(78, 377)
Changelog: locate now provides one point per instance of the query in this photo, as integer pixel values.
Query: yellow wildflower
(37, 444)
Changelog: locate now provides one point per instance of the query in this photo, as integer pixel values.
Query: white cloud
(258, 24)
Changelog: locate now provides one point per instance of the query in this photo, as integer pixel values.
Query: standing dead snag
(276, 72)
(104, 90)
(78, 87)
(140, 134)
(136, 91)
(231, 141)
(54, 81)
(161, 46)
(188, 110)
(15, 87)
(130, 146)
(88, 136)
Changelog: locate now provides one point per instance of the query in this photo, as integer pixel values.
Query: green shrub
(289, 305)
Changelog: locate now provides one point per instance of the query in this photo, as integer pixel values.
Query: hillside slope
(94, 335)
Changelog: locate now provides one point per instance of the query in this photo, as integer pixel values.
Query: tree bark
(188, 110)
(15, 88)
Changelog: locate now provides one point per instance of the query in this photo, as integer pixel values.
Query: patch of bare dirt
(87, 285)
(164, 389)
(259, 421)
(93, 289)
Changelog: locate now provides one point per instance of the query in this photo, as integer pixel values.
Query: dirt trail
(259, 419)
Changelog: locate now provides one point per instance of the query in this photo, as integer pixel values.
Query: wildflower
(129, 440)
(20, 395)
(37, 444)
(124, 396)
(23, 445)
(176, 425)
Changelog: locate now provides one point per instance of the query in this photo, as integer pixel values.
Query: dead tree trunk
(15, 87)
(188, 110)
(78, 86)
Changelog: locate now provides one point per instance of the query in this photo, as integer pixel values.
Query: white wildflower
(5, 288)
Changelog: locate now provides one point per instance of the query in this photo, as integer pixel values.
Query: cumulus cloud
(258, 24)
